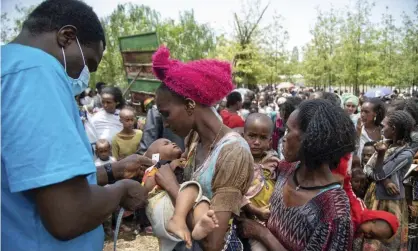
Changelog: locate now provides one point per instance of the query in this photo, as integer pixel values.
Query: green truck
(137, 51)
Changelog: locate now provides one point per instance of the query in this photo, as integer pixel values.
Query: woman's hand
(263, 213)
(249, 229)
(380, 147)
(358, 127)
(177, 163)
(165, 177)
(391, 188)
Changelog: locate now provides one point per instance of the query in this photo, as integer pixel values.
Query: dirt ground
(133, 243)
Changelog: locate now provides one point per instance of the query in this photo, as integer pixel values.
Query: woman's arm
(383, 171)
(251, 229)
(215, 240)
(262, 213)
(270, 241)
(378, 167)
(231, 179)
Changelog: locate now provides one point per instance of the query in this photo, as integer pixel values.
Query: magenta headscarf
(205, 81)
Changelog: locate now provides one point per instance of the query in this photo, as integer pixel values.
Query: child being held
(169, 222)
(126, 142)
(103, 153)
(359, 182)
(258, 132)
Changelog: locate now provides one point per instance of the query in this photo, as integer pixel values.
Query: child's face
(127, 118)
(376, 229)
(258, 136)
(358, 184)
(253, 108)
(103, 151)
(168, 150)
(367, 153)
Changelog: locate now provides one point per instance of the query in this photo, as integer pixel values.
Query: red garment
(359, 212)
(232, 120)
(391, 219)
(356, 205)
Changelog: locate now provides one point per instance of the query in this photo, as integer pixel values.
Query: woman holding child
(309, 208)
(217, 158)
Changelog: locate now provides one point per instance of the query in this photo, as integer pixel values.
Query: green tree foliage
(248, 34)
(408, 62)
(10, 28)
(349, 50)
(186, 38)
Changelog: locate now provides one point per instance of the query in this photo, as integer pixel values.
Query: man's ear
(66, 35)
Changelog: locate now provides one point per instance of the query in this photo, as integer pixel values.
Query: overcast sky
(299, 15)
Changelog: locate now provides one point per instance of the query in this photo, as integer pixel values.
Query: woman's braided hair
(403, 123)
(379, 108)
(289, 106)
(329, 133)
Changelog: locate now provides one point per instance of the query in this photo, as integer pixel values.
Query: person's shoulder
(100, 113)
(408, 152)
(334, 204)
(234, 144)
(17, 58)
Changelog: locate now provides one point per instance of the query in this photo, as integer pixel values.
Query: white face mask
(82, 82)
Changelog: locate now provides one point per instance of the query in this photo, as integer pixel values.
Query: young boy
(126, 142)
(368, 151)
(167, 220)
(103, 153)
(258, 132)
(358, 182)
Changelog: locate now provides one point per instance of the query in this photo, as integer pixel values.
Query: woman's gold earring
(192, 105)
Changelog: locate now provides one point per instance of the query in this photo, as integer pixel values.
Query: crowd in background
(116, 131)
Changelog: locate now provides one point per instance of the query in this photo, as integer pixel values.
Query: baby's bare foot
(205, 225)
(179, 228)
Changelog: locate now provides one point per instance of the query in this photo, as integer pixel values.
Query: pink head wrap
(205, 81)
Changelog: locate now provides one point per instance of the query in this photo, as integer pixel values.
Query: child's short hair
(259, 117)
(127, 108)
(102, 142)
(358, 173)
(370, 143)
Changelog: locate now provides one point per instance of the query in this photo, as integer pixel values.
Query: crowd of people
(374, 175)
(211, 167)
